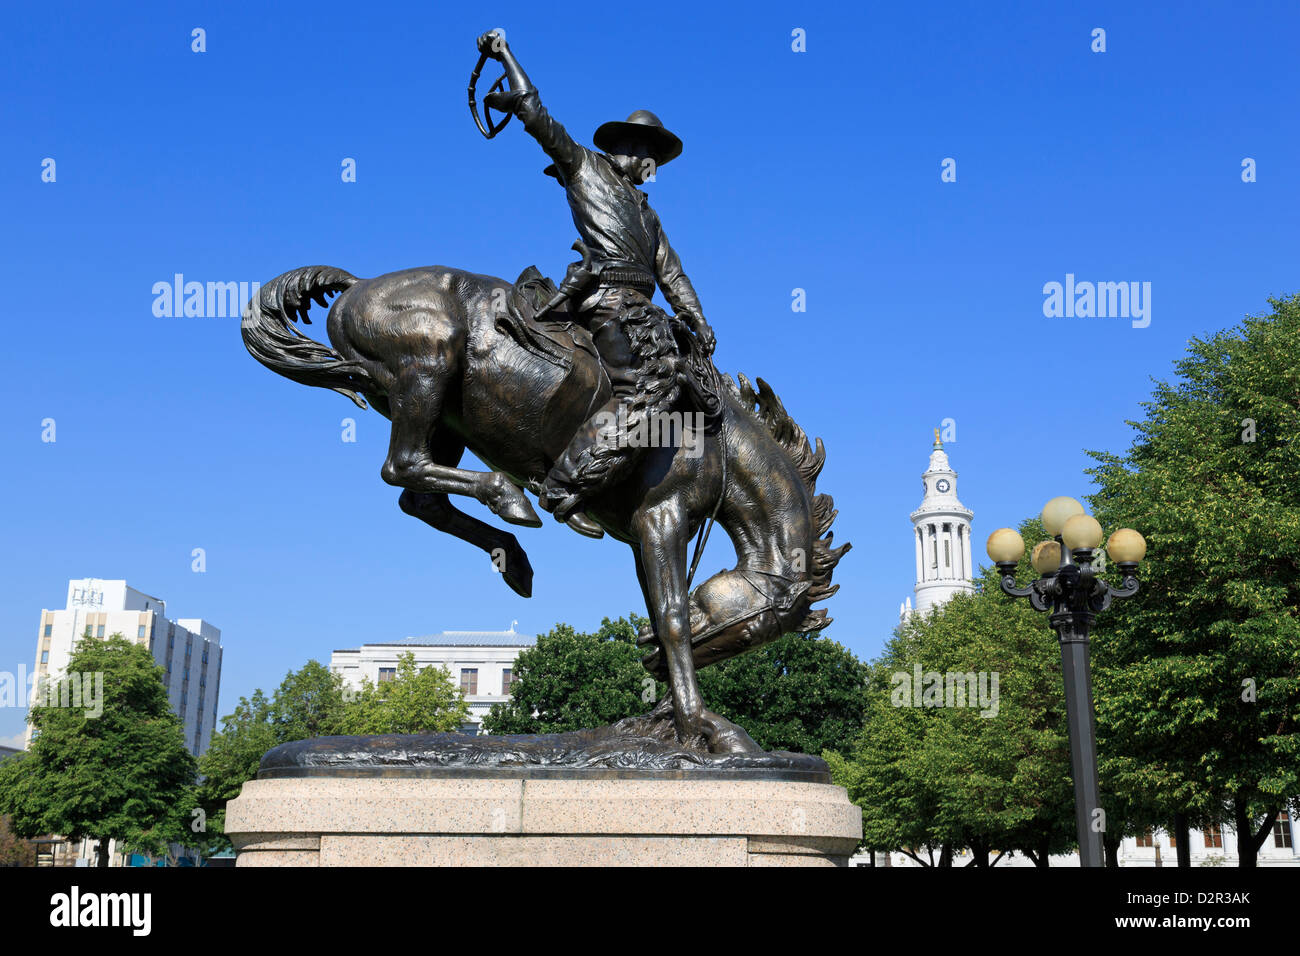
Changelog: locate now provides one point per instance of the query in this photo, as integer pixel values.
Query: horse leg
(415, 402)
(662, 532)
(438, 512)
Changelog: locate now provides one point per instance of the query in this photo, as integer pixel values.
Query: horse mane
(763, 404)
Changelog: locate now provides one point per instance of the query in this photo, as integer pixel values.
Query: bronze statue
(557, 389)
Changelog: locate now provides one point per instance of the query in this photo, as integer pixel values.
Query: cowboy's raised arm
(678, 290)
(523, 100)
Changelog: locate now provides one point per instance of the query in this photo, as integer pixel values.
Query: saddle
(558, 334)
(553, 337)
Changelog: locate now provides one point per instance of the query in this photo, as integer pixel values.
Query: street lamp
(1070, 590)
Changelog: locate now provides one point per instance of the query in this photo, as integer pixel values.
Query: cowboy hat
(644, 126)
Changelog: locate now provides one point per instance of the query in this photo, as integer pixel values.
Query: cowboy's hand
(503, 101)
(493, 43)
(704, 333)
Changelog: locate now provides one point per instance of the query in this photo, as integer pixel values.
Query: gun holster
(577, 277)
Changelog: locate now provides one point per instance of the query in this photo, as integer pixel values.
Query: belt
(627, 276)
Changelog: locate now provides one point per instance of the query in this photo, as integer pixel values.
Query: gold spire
(937, 443)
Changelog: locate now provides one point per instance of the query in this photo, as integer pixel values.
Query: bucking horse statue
(457, 360)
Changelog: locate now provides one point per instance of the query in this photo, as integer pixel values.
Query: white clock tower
(941, 534)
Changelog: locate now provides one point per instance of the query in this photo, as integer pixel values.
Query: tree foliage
(117, 770)
(992, 775)
(15, 850)
(801, 692)
(313, 702)
(1199, 676)
(571, 680)
(418, 700)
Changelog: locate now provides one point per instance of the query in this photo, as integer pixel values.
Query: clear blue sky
(817, 170)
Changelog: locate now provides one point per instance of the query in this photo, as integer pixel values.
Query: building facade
(188, 649)
(481, 663)
(941, 528)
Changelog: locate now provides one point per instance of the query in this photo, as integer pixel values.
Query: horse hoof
(516, 509)
(733, 742)
(519, 579)
(724, 737)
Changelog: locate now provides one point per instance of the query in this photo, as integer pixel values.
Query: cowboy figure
(625, 256)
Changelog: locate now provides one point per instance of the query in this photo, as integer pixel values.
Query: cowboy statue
(573, 391)
(625, 255)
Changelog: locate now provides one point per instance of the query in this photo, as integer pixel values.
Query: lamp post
(1071, 592)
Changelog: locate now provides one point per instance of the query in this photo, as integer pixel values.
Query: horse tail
(808, 461)
(271, 337)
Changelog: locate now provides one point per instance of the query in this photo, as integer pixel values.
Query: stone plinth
(533, 816)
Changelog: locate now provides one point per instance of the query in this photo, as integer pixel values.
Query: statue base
(325, 803)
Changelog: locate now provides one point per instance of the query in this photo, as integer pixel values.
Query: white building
(188, 650)
(940, 538)
(481, 663)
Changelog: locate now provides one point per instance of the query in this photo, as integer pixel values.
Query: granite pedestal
(451, 803)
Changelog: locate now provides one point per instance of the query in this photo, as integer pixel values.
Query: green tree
(15, 850)
(310, 702)
(949, 772)
(313, 702)
(802, 692)
(113, 768)
(884, 776)
(571, 680)
(1199, 676)
(231, 760)
(418, 700)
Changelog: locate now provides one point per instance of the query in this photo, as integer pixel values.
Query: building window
(99, 631)
(469, 681)
(49, 629)
(139, 631)
(507, 679)
(45, 659)
(1282, 831)
(1214, 837)
(1145, 839)
(386, 674)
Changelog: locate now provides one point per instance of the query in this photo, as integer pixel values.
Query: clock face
(942, 486)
